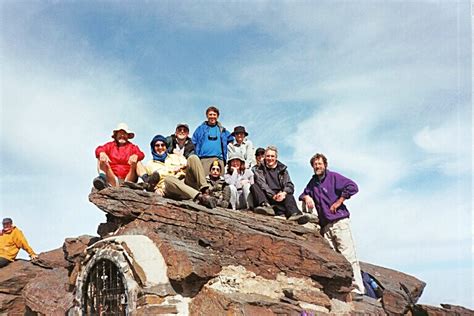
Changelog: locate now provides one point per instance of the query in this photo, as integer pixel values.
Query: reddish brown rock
(313, 297)
(54, 258)
(46, 293)
(395, 300)
(210, 302)
(444, 310)
(13, 279)
(12, 304)
(73, 248)
(204, 240)
(16, 275)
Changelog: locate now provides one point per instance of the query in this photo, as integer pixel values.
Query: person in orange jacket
(11, 241)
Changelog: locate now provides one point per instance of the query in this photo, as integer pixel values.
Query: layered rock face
(179, 258)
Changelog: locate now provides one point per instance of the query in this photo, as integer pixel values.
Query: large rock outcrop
(179, 258)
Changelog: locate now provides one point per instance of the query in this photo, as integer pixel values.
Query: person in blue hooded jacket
(210, 140)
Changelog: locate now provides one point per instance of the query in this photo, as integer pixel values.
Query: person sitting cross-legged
(218, 187)
(179, 179)
(273, 189)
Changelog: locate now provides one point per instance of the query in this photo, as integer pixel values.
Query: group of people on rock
(216, 167)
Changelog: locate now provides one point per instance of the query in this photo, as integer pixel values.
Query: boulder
(444, 310)
(46, 293)
(197, 242)
(395, 300)
(13, 279)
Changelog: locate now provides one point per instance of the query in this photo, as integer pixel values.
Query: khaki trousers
(194, 181)
(340, 238)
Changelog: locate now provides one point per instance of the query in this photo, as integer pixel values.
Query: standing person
(177, 177)
(242, 145)
(218, 188)
(239, 180)
(210, 140)
(327, 191)
(273, 189)
(180, 143)
(11, 241)
(118, 160)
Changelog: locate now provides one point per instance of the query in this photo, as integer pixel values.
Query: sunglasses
(215, 169)
(160, 145)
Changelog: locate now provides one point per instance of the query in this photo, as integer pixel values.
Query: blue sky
(382, 88)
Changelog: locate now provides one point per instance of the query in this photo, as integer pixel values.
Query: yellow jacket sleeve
(22, 243)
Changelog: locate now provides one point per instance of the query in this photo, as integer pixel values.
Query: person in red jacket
(119, 160)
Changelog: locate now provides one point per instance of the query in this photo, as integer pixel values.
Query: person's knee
(103, 166)
(193, 159)
(232, 189)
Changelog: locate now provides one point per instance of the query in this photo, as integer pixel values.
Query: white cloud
(377, 86)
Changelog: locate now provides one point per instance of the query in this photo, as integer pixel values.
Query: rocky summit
(156, 256)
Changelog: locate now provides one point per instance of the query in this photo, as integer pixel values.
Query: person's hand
(280, 196)
(177, 152)
(235, 169)
(309, 202)
(133, 159)
(103, 157)
(34, 257)
(160, 192)
(335, 206)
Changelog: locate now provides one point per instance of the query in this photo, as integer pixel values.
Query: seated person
(180, 142)
(273, 189)
(218, 187)
(239, 180)
(118, 160)
(259, 157)
(179, 178)
(11, 241)
(242, 145)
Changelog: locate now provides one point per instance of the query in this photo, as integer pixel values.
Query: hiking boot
(154, 179)
(99, 183)
(357, 297)
(206, 200)
(264, 209)
(223, 204)
(300, 218)
(313, 218)
(134, 186)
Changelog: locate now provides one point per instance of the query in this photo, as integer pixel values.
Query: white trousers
(239, 198)
(340, 238)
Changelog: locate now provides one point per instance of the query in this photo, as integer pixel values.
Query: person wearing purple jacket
(327, 191)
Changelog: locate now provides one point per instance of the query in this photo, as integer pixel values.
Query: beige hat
(123, 127)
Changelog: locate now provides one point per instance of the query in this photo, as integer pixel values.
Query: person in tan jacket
(11, 241)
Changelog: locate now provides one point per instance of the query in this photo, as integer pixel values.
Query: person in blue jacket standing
(327, 191)
(210, 140)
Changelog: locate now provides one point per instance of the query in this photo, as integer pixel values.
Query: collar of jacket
(280, 167)
(218, 124)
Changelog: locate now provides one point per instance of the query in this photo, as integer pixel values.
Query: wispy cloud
(381, 88)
